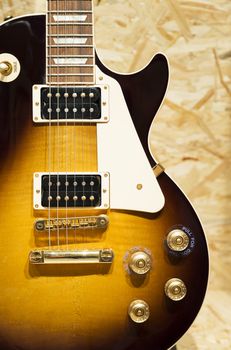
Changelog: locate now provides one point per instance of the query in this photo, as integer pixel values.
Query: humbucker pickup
(71, 190)
(54, 104)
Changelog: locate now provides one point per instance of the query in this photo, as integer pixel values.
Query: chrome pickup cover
(71, 190)
(70, 104)
(78, 223)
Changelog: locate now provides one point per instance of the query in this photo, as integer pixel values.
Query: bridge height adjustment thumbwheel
(140, 263)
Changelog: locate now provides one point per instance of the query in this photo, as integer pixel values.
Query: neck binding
(70, 42)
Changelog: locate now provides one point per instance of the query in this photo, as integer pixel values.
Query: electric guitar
(99, 248)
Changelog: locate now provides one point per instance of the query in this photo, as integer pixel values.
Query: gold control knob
(175, 289)
(9, 67)
(140, 262)
(177, 240)
(139, 311)
(5, 68)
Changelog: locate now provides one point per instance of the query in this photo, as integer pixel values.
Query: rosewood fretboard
(70, 42)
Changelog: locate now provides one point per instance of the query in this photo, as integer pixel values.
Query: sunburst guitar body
(99, 248)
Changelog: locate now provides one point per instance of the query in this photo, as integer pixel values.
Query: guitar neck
(70, 42)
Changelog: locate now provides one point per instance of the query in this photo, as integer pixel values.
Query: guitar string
(91, 91)
(90, 154)
(82, 115)
(72, 25)
(72, 70)
(75, 111)
(58, 126)
(79, 144)
(48, 19)
(74, 140)
(65, 52)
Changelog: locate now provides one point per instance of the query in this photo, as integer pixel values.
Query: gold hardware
(106, 255)
(158, 169)
(139, 311)
(9, 67)
(36, 257)
(177, 240)
(139, 187)
(140, 263)
(93, 222)
(175, 289)
(97, 256)
(8, 17)
(6, 68)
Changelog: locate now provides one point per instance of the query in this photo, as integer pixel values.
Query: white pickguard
(133, 185)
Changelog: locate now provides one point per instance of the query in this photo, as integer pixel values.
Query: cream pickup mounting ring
(52, 104)
(71, 190)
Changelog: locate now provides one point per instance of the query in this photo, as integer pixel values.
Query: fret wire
(64, 24)
(71, 23)
(70, 11)
(70, 74)
(72, 82)
(69, 45)
(71, 56)
(71, 35)
(71, 65)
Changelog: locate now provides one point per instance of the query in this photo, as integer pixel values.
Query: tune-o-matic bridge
(71, 190)
(70, 104)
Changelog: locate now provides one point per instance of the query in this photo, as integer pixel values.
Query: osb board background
(191, 135)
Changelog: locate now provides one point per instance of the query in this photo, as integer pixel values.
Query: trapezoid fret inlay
(70, 51)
